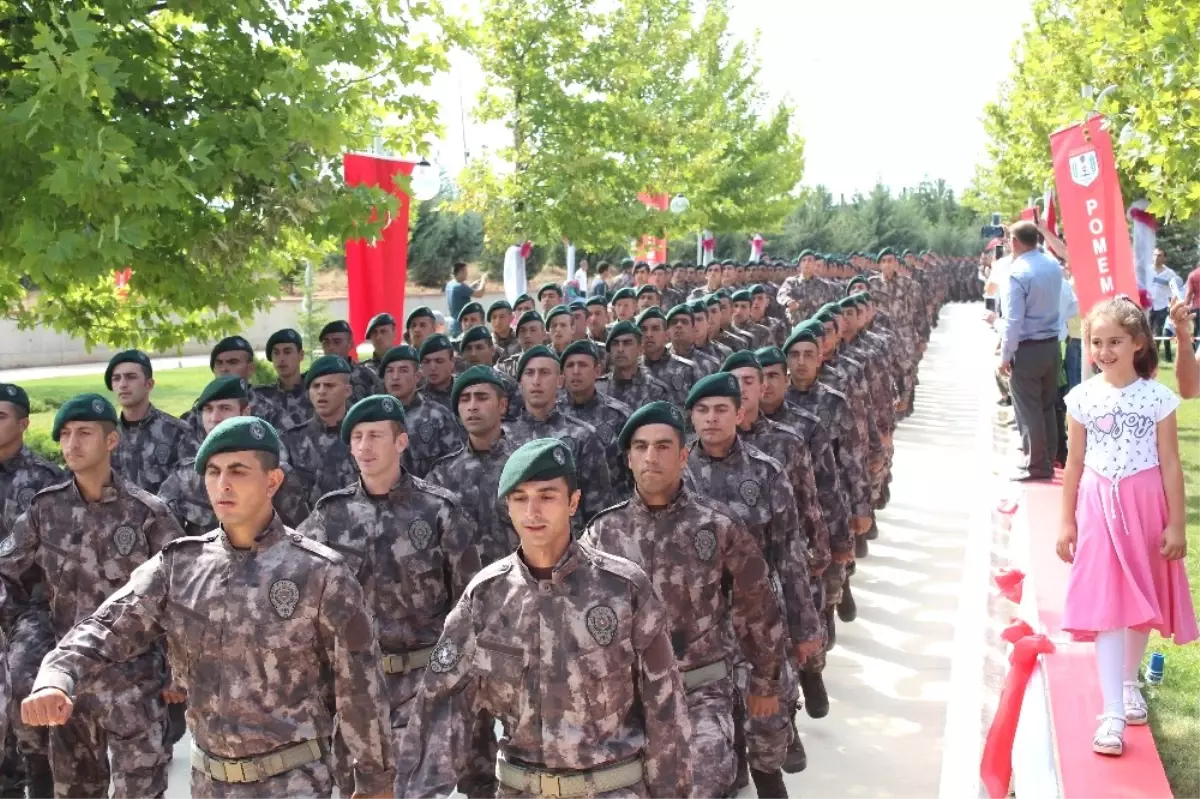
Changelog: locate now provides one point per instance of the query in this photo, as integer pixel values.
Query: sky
(889, 90)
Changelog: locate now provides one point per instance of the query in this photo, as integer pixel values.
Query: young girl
(1123, 513)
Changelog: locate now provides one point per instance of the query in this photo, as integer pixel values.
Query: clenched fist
(48, 707)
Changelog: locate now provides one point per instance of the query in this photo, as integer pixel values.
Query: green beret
(641, 265)
(581, 346)
(557, 310)
(520, 299)
(327, 365)
(849, 301)
(653, 312)
(683, 309)
(498, 305)
(435, 343)
(403, 352)
(527, 317)
(810, 331)
(285, 336)
(83, 408)
(711, 299)
(827, 315)
(230, 344)
(741, 296)
(577, 305)
(855, 281)
(740, 360)
(626, 263)
(830, 307)
(549, 287)
(378, 320)
(540, 351)
(659, 268)
(238, 434)
(595, 299)
(697, 307)
(770, 356)
(626, 293)
(540, 459)
(226, 387)
(470, 307)
(885, 251)
(757, 288)
(905, 253)
(417, 313)
(727, 262)
(129, 356)
(375, 408)
(473, 377)
(477, 333)
(721, 294)
(658, 412)
(625, 328)
(337, 326)
(720, 384)
(647, 289)
(10, 392)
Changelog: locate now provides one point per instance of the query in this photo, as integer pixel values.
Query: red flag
(652, 249)
(1051, 212)
(1030, 214)
(1093, 213)
(375, 274)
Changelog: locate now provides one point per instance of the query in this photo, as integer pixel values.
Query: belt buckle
(234, 772)
(550, 786)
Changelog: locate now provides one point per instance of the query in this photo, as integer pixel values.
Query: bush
(40, 442)
(264, 373)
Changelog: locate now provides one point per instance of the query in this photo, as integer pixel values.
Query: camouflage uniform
(505, 347)
(474, 476)
(441, 396)
(733, 339)
(187, 499)
(759, 335)
(805, 291)
(695, 550)
(715, 350)
(582, 678)
(86, 551)
(269, 642)
(590, 456)
(637, 391)
(413, 552)
(364, 382)
(292, 406)
(316, 462)
(679, 375)
(262, 407)
(707, 364)
(150, 449)
(832, 407)
(608, 416)
(671, 297)
(433, 432)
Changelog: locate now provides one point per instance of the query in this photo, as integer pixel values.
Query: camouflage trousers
(125, 726)
(711, 748)
(310, 780)
(834, 579)
(815, 664)
(31, 639)
(480, 781)
(765, 739)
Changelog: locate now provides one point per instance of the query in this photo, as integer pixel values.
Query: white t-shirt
(1122, 423)
(1163, 286)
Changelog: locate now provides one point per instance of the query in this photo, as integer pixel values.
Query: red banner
(652, 249)
(375, 273)
(1093, 213)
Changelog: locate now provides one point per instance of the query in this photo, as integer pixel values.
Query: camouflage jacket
(264, 408)
(759, 335)
(272, 644)
(582, 677)
(693, 550)
(187, 499)
(22, 476)
(316, 462)
(788, 447)
(292, 406)
(433, 432)
(506, 347)
(364, 382)
(591, 458)
(679, 374)
(715, 350)
(807, 292)
(474, 476)
(150, 449)
(867, 349)
(733, 339)
(849, 376)
(441, 396)
(707, 364)
(849, 447)
(639, 390)
(778, 328)
(671, 297)
(608, 416)
(759, 494)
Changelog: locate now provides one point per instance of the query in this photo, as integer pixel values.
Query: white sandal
(1109, 737)
(1136, 712)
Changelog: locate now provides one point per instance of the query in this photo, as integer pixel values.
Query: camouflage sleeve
(809, 503)
(314, 527)
(18, 553)
(186, 445)
(598, 487)
(791, 561)
(348, 637)
(161, 529)
(834, 506)
(458, 542)
(852, 459)
(755, 614)
(664, 703)
(123, 627)
(291, 500)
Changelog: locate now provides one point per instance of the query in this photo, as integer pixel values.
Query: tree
(440, 238)
(194, 142)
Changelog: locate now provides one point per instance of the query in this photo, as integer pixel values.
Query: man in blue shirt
(1029, 353)
(459, 293)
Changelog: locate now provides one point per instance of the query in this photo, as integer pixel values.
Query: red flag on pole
(1093, 213)
(1030, 214)
(652, 249)
(375, 273)
(1051, 212)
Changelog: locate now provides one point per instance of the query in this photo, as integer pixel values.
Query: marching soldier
(706, 318)
(381, 332)
(597, 319)
(647, 297)
(476, 351)
(499, 319)
(420, 325)
(531, 332)
(624, 303)
(433, 430)
(630, 382)
(580, 399)
(285, 351)
(740, 303)
(437, 367)
(560, 326)
(681, 330)
(678, 374)
(727, 334)
(549, 295)
(337, 339)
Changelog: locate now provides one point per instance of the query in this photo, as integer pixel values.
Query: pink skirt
(1119, 578)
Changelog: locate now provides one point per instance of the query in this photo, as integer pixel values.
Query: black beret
(647, 289)
(380, 319)
(770, 356)
(375, 408)
(740, 360)
(527, 317)
(626, 293)
(498, 305)
(557, 310)
(326, 365)
(417, 313)
(477, 333)
(226, 387)
(625, 328)
(285, 336)
(474, 376)
(129, 356)
(653, 312)
(683, 309)
(581, 346)
(741, 296)
(337, 326)
(657, 412)
(540, 459)
(230, 344)
(720, 384)
(540, 351)
(549, 287)
(403, 352)
(520, 299)
(470, 307)
(596, 299)
(83, 408)
(9, 392)
(810, 331)
(238, 434)
(435, 343)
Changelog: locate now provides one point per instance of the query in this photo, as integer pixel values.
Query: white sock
(1135, 650)
(1110, 662)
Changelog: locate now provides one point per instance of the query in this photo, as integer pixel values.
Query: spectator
(600, 284)
(459, 293)
(1192, 301)
(1165, 285)
(1187, 371)
(1029, 353)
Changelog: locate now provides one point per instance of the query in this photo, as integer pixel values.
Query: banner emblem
(1084, 168)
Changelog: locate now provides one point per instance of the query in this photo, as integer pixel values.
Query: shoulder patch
(438, 491)
(320, 550)
(146, 498)
(490, 572)
(191, 540)
(619, 566)
(609, 510)
(756, 454)
(336, 494)
(52, 488)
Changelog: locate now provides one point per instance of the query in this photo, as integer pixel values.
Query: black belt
(1037, 341)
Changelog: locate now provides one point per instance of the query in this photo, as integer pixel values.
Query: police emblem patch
(420, 532)
(602, 624)
(560, 457)
(705, 542)
(162, 453)
(24, 497)
(605, 431)
(256, 431)
(12, 390)
(387, 405)
(124, 538)
(445, 657)
(425, 431)
(97, 406)
(750, 492)
(7, 545)
(284, 595)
